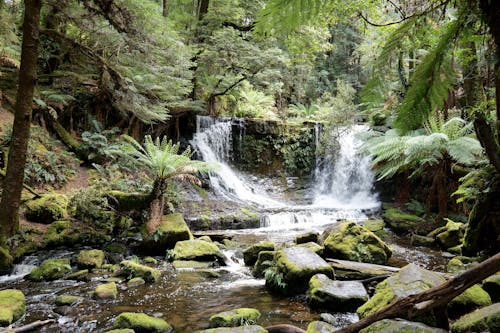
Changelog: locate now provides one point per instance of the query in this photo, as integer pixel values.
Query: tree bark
(164, 9)
(202, 8)
(13, 183)
(156, 205)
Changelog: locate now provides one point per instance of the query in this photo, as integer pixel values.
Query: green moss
(374, 225)
(135, 282)
(6, 260)
(82, 275)
(264, 261)
(90, 259)
(67, 300)
(47, 209)
(106, 291)
(240, 329)
(492, 286)
(171, 230)
(59, 233)
(50, 269)
(249, 213)
(121, 330)
(197, 250)
(12, 306)
(319, 327)
(250, 254)
(383, 296)
(398, 215)
(150, 260)
(470, 299)
(455, 266)
(400, 326)
(484, 319)
(236, 317)
(141, 323)
(136, 270)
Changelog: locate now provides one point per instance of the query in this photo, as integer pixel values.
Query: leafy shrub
(253, 103)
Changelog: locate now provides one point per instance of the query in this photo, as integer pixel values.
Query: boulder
(240, 329)
(339, 296)
(12, 306)
(133, 270)
(50, 269)
(352, 270)
(6, 261)
(171, 230)
(141, 323)
(450, 235)
(89, 259)
(374, 225)
(419, 240)
(192, 264)
(60, 233)
(47, 209)
(135, 282)
(320, 327)
(62, 300)
(306, 238)
(492, 286)
(106, 291)
(121, 330)
(251, 253)
(197, 250)
(410, 280)
(486, 319)
(401, 222)
(264, 261)
(296, 266)
(398, 326)
(471, 299)
(82, 275)
(350, 241)
(236, 317)
(315, 247)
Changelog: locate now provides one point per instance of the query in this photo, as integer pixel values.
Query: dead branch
(28, 327)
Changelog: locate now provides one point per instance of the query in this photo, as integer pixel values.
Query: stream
(341, 189)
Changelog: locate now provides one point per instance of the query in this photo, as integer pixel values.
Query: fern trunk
(156, 205)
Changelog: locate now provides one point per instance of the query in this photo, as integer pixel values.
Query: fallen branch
(439, 296)
(28, 327)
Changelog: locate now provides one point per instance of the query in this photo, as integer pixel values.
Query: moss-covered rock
(141, 323)
(315, 247)
(171, 230)
(350, 241)
(410, 280)
(419, 240)
(455, 266)
(452, 234)
(12, 306)
(150, 260)
(401, 222)
(106, 291)
(264, 261)
(62, 300)
(486, 319)
(60, 233)
(492, 286)
(81, 275)
(251, 253)
(197, 250)
(306, 238)
(339, 296)
(192, 264)
(50, 269)
(135, 282)
(400, 326)
(133, 269)
(89, 259)
(236, 317)
(297, 265)
(240, 329)
(121, 330)
(374, 225)
(471, 299)
(320, 327)
(47, 209)
(6, 261)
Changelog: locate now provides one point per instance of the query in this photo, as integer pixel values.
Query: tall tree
(12, 185)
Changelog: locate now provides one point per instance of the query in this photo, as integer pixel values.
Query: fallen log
(434, 299)
(352, 270)
(28, 327)
(284, 328)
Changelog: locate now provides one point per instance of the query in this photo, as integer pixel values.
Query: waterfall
(343, 178)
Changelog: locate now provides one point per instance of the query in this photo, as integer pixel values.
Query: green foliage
(274, 278)
(91, 207)
(253, 103)
(477, 182)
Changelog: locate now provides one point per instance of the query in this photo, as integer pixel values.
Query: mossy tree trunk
(157, 204)
(13, 182)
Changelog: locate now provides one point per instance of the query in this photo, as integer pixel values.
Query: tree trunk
(202, 8)
(157, 205)
(13, 183)
(165, 8)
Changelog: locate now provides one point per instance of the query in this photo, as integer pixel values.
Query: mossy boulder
(50, 269)
(400, 326)
(450, 235)
(264, 261)
(320, 327)
(106, 291)
(141, 323)
(60, 233)
(81, 275)
(62, 300)
(47, 209)
(121, 330)
(240, 329)
(419, 240)
(339, 296)
(133, 270)
(471, 299)
(492, 286)
(402, 222)
(12, 306)
(374, 225)
(350, 241)
(198, 250)
(410, 280)
(135, 282)
(315, 247)
(251, 253)
(297, 265)
(236, 317)
(89, 259)
(486, 319)
(306, 238)
(171, 230)
(6, 261)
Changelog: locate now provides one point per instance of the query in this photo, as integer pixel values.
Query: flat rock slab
(345, 269)
(398, 326)
(486, 319)
(341, 296)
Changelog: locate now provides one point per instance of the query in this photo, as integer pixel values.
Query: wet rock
(82, 275)
(135, 282)
(67, 300)
(401, 222)
(240, 329)
(205, 238)
(471, 299)
(50, 269)
(352, 270)
(171, 230)
(63, 310)
(486, 319)
(297, 265)
(12, 306)
(116, 252)
(6, 261)
(398, 326)
(315, 247)
(47, 209)
(418, 240)
(348, 240)
(492, 286)
(121, 330)
(197, 250)
(251, 253)
(306, 238)
(236, 317)
(327, 318)
(264, 261)
(410, 280)
(106, 291)
(141, 323)
(90, 259)
(133, 269)
(320, 327)
(341, 296)
(192, 264)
